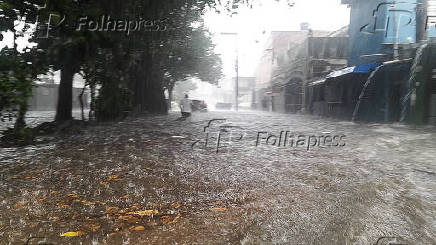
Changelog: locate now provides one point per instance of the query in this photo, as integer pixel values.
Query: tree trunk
(82, 109)
(64, 110)
(92, 106)
(170, 96)
(20, 123)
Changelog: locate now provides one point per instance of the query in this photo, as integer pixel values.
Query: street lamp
(236, 67)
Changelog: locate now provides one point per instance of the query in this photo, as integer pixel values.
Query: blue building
(376, 26)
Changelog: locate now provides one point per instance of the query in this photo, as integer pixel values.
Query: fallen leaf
(112, 210)
(137, 228)
(114, 178)
(166, 219)
(56, 218)
(219, 209)
(176, 205)
(88, 203)
(169, 219)
(124, 197)
(145, 212)
(177, 218)
(130, 219)
(72, 195)
(104, 183)
(64, 206)
(73, 234)
(19, 205)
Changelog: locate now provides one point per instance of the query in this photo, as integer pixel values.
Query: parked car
(199, 105)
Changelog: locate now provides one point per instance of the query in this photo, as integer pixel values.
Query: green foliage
(18, 71)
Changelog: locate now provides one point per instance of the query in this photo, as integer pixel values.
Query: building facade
(389, 73)
(293, 62)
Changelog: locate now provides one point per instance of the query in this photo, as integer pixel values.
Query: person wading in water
(185, 107)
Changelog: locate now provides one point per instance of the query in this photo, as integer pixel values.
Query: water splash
(362, 95)
(405, 101)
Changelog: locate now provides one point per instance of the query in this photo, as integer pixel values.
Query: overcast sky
(267, 16)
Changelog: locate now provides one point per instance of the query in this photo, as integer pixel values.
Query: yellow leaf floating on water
(73, 234)
(219, 209)
(169, 220)
(176, 219)
(89, 203)
(137, 228)
(104, 183)
(166, 219)
(112, 210)
(114, 178)
(130, 219)
(19, 205)
(72, 195)
(64, 206)
(145, 212)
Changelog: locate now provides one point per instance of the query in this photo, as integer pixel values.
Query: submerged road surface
(223, 178)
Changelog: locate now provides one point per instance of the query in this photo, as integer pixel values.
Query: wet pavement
(154, 180)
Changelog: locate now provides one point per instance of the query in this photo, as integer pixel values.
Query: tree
(18, 70)
(145, 62)
(182, 88)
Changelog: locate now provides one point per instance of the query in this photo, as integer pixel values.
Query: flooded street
(155, 180)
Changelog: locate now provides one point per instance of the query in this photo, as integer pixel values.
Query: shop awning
(342, 72)
(360, 69)
(366, 68)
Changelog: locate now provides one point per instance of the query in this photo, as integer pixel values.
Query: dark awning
(360, 69)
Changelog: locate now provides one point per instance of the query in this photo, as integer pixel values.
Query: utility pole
(236, 68)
